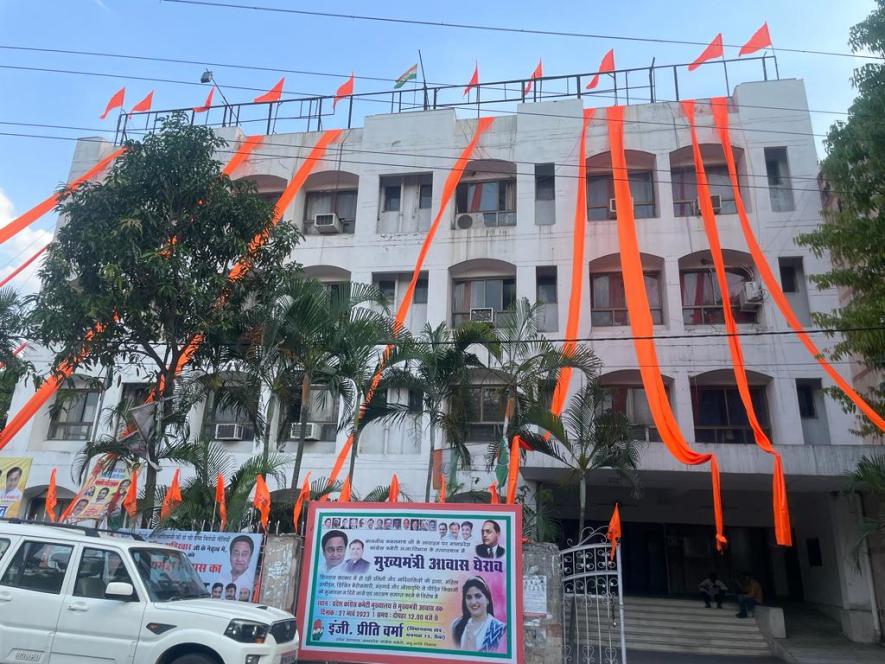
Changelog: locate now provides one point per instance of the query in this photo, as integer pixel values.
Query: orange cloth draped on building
(779, 489)
(641, 322)
(9, 277)
(344, 496)
(720, 121)
(448, 190)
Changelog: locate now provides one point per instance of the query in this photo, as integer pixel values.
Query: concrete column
(438, 296)
(783, 405)
(526, 282)
(680, 399)
(672, 296)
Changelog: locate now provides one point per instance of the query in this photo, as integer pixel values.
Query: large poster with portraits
(102, 493)
(411, 582)
(225, 561)
(13, 480)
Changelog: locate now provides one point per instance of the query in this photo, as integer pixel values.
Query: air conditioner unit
(715, 201)
(483, 315)
(465, 221)
(228, 432)
(751, 296)
(327, 223)
(311, 431)
(612, 208)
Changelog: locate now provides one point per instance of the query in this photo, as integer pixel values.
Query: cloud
(19, 248)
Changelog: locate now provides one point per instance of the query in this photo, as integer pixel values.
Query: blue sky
(31, 168)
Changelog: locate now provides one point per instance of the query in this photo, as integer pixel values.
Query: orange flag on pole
(171, 499)
(344, 496)
(271, 95)
(713, 50)
(207, 104)
(261, 500)
(474, 80)
(441, 498)
(130, 503)
(144, 105)
(614, 531)
(344, 90)
(538, 73)
(50, 497)
(760, 39)
(393, 492)
(493, 493)
(219, 500)
(303, 495)
(114, 102)
(607, 66)
(513, 469)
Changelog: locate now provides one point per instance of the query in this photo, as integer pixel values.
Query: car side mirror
(119, 590)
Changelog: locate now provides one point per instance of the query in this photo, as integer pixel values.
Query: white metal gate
(592, 601)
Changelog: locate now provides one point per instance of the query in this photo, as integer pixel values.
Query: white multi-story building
(507, 234)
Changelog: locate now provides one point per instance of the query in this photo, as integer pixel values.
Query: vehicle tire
(194, 658)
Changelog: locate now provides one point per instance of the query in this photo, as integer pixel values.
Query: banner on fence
(225, 561)
(13, 480)
(103, 491)
(396, 583)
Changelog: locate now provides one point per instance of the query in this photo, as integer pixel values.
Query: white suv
(72, 595)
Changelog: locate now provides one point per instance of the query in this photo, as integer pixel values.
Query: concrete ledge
(770, 620)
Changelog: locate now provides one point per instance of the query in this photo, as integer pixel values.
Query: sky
(33, 166)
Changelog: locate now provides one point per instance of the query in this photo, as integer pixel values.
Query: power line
(497, 28)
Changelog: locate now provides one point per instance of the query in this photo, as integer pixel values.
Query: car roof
(71, 533)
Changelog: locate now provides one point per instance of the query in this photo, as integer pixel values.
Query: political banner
(411, 582)
(103, 491)
(13, 480)
(225, 561)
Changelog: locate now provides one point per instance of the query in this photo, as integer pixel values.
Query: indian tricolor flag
(409, 74)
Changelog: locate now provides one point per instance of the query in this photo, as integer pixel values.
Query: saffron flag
(493, 493)
(513, 469)
(343, 91)
(261, 500)
(607, 66)
(207, 104)
(303, 495)
(271, 95)
(442, 488)
(538, 73)
(130, 503)
(114, 102)
(144, 105)
(219, 500)
(344, 496)
(393, 492)
(171, 499)
(614, 531)
(50, 497)
(409, 74)
(713, 50)
(760, 39)
(474, 80)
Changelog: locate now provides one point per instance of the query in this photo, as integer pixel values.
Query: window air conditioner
(228, 432)
(483, 315)
(327, 223)
(715, 201)
(311, 431)
(612, 208)
(465, 221)
(751, 296)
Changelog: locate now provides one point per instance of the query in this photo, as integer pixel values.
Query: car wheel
(194, 658)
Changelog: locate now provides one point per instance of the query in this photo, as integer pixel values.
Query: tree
(11, 330)
(855, 230)
(144, 257)
(590, 436)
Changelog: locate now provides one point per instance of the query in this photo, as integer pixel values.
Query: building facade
(507, 234)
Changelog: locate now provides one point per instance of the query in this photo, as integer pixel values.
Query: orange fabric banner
(116, 101)
(393, 491)
(32, 215)
(144, 105)
(448, 191)
(607, 66)
(473, 82)
(51, 500)
(614, 531)
(206, 104)
(779, 490)
(344, 496)
(760, 39)
(303, 495)
(171, 499)
(441, 498)
(219, 500)
(536, 74)
(513, 469)
(130, 500)
(261, 500)
(720, 121)
(579, 234)
(271, 95)
(713, 50)
(641, 324)
(493, 493)
(9, 277)
(343, 91)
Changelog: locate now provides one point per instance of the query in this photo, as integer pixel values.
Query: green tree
(854, 234)
(11, 330)
(144, 256)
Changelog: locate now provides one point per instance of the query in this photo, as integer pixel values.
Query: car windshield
(168, 575)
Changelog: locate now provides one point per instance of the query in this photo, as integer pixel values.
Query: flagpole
(423, 78)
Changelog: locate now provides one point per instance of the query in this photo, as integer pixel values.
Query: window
(97, 569)
(4, 545)
(789, 284)
(425, 196)
(419, 296)
(224, 408)
(38, 566)
(388, 289)
(323, 411)
(630, 401)
(74, 414)
(812, 547)
(780, 190)
(719, 415)
(416, 401)
(485, 413)
(498, 294)
(601, 190)
(545, 194)
(548, 310)
(134, 395)
(495, 200)
(608, 304)
(701, 301)
(340, 202)
(392, 196)
(685, 190)
(805, 394)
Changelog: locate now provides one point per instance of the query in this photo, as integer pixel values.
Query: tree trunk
(305, 408)
(355, 442)
(164, 411)
(583, 508)
(430, 462)
(271, 408)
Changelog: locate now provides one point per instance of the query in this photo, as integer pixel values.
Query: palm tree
(590, 436)
(869, 476)
(11, 328)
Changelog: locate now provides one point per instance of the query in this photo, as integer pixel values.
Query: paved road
(639, 657)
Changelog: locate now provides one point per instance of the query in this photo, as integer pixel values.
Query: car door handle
(5, 596)
(78, 606)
